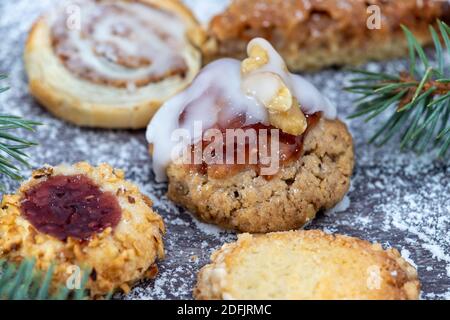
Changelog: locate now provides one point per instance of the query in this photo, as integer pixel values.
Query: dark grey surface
(399, 200)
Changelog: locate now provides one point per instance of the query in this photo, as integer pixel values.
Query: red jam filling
(70, 206)
(290, 148)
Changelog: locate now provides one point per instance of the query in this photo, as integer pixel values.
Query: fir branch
(24, 282)
(418, 100)
(12, 146)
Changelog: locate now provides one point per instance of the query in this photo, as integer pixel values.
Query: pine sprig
(418, 100)
(12, 146)
(24, 282)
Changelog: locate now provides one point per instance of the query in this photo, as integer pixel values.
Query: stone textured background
(397, 199)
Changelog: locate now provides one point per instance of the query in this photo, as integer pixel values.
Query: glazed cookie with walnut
(304, 265)
(83, 216)
(268, 111)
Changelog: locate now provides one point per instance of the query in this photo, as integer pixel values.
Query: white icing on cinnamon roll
(120, 43)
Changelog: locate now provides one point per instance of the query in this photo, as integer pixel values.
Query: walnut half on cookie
(260, 80)
(84, 217)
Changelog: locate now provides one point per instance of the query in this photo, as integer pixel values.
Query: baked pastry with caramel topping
(83, 217)
(111, 64)
(319, 33)
(260, 148)
(306, 265)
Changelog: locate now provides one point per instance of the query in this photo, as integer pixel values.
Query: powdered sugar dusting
(340, 207)
(407, 256)
(399, 200)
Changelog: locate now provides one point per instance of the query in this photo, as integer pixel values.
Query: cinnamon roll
(250, 146)
(112, 63)
(319, 33)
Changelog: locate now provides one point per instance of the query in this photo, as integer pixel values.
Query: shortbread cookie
(111, 64)
(260, 102)
(83, 217)
(320, 33)
(306, 265)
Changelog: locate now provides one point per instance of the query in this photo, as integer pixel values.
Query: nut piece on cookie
(257, 57)
(306, 265)
(292, 121)
(270, 88)
(86, 217)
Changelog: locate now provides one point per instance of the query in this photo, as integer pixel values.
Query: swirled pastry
(250, 146)
(318, 33)
(112, 63)
(86, 218)
(306, 265)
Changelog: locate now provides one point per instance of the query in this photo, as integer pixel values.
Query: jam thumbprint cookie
(250, 146)
(306, 265)
(111, 64)
(86, 217)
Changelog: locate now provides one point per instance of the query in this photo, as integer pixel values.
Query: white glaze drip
(139, 31)
(216, 97)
